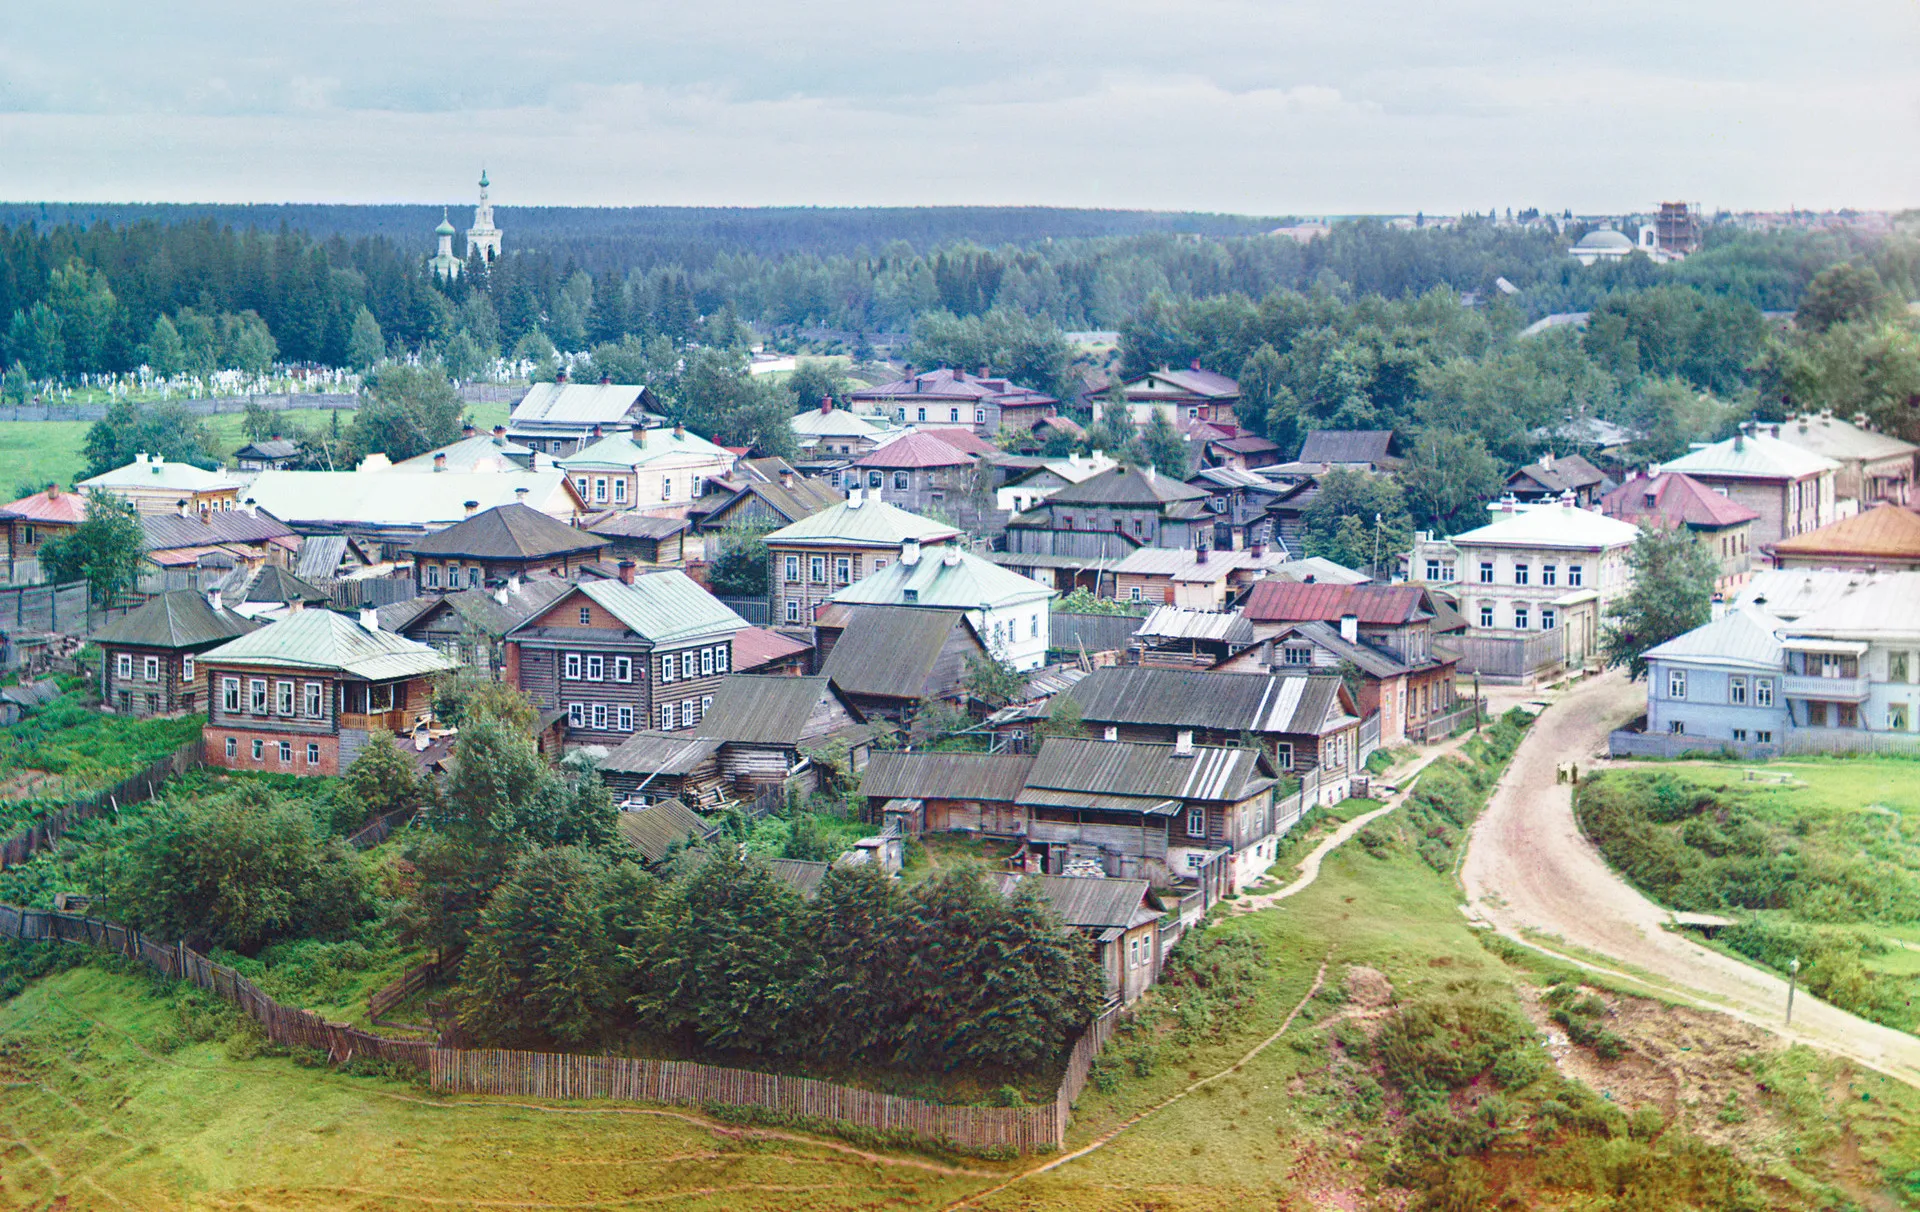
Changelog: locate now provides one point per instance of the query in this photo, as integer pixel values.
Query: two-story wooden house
(657, 470)
(507, 541)
(762, 494)
(303, 695)
(33, 520)
(149, 657)
(1078, 533)
(1182, 395)
(619, 656)
(954, 397)
(826, 551)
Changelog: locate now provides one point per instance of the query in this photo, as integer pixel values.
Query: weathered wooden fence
(60, 607)
(757, 611)
(133, 789)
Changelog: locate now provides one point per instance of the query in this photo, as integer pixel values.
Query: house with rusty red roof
(1192, 394)
(954, 397)
(1723, 525)
(916, 472)
(31, 521)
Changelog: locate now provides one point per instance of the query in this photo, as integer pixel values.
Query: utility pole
(1476, 702)
(1793, 978)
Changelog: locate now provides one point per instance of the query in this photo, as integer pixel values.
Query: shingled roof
(179, 618)
(509, 532)
(1347, 446)
(891, 651)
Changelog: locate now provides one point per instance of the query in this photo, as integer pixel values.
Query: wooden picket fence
(573, 1076)
(135, 788)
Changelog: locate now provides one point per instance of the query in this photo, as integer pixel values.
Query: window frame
(150, 669)
(722, 658)
(623, 718)
(576, 715)
(1763, 692)
(233, 748)
(284, 696)
(1737, 689)
(570, 666)
(123, 666)
(1199, 814)
(669, 668)
(599, 717)
(230, 694)
(1486, 572)
(313, 753)
(1677, 685)
(817, 570)
(706, 662)
(792, 570)
(669, 714)
(843, 570)
(315, 700)
(596, 667)
(623, 669)
(259, 749)
(257, 700)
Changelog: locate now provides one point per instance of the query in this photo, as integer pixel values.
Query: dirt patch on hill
(24, 783)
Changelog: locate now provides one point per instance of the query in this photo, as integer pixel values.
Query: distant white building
(483, 237)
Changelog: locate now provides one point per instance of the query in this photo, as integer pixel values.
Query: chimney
(513, 582)
(440, 461)
(786, 477)
(213, 599)
(826, 404)
(1183, 743)
(679, 432)
(1259, 544)
(952, 557)
(467, 430)
(1350, 628)
(560, 377)
(473, 505)
(605, 378)
(369, 618)
(1200, 554)
(1194, 364)
(626, 572)
(499, 431)
(180, 507)
(520, 496)
(1546, 461)
(910, 552)
(855, 498)
(596, 433)
(251, 506)
(500, 593)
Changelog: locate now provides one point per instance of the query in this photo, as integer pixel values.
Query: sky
(1251, 106)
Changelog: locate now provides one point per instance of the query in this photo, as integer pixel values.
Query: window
(979, 416)
(379, 698)
(688, 716)
(1196, 822)
(1547, 618)
(1896, 717)
(1739, 734)
(1574, 576)
(473, 576)
(793, 568)
(233, 747)
(259, 750)
(573, 666)
(666, 488)
(900, 480)
(596, 668)
(706, 662)
(622, 669)
(1133, 593)
(793, 611)
(600, 715)
(669, 667)
(313, 755)
(1299, 655)
(843, 569)
(123, 666)
(1433, 570)
(1283, 754)
(1763, 736)
(1486, 614)
(619, 491)
(186, 669)
(316, 704)
(286, 753)
(600, 488)
(581, 484)
(257, 696)
(666, 717)
(817, 569)
(283, 698)
(1033, 627)
(624, 718)
(706, 703)
(876, 478)
(230, 694)
(576, 714)
(1677, 727)
(586, 616)
(29, 536)
(878, 564)
(953, 414)
(1763, 692)
(721, 659)
(1519, 574)
(1896, 666)
(1519, 616)
(150, 669)
(433, 576)
(1676, 683)
(1737, 691)
(1486, 572)
(920, 414)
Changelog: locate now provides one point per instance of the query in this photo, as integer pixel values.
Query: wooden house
(471, 626)
(768, 728)
(917, 471)
(1121, 918)
(651, 766)
(942, 792)
(888, 660)
(641, 537)
(758, 650)
(662, 828)
(149, 655)
(826, 551)
(507, 541)
(33, 520)
(762, 494)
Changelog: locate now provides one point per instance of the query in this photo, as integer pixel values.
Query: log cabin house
(1122, 918)
(148, 666)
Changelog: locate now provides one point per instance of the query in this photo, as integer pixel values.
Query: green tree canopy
(366, 344)
(1359, 520)
(1446, 478)
(1672, 593)
(106, 550)
(409, 410)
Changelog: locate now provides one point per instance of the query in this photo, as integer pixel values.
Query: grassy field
(1819, 859)
(69, 748)
(36, 453)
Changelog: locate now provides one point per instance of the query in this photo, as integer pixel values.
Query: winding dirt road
(1528, 868)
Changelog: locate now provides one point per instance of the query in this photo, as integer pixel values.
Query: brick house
(1791, 489)
(1722, 525)
(304, 695)
(824, 552)
(150, 654)
(625, 655)
(506, 541)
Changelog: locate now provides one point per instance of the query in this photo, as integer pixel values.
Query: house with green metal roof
(304, 695)
(641, 468)
(826, 551)
(149, 666)
(156, 485)
(1007, 610)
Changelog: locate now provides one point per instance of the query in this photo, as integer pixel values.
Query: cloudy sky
(1258, 106)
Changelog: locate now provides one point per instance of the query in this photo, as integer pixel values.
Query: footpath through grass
(1816, 859)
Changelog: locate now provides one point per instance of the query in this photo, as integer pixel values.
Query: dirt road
(1529, 868)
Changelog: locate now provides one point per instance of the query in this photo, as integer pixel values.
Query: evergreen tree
(607, 320)
(366, 344)
(1166, 448)
(856, 919)
(164, 353)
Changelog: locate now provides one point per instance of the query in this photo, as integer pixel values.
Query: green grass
(69, 748)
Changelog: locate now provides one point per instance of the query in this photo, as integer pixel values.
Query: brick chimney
(499, 431)
(786, 477)
(826, 403)
(440, 461)
(213, 598)
(910, 552)
(626, 571)
(640, 436)
(470, 507)
(467, 430)
(560, 377)
(605, 378)
(679, 432)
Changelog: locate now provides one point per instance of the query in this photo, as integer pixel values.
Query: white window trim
(570, 667)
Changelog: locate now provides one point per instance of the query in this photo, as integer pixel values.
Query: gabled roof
(578, 404)
(1754, 456)
(860, 521)
(322, 640)
(1565, 473)
(1175, 623)
(944, 577)
(1103, 905)
(1110, 770)
(991, 777)
(51, 505)
(663, 606)
(1206, 384)
(963, 440)
(948, 384)
(1368, 659)
(1551, 526)
(788, 493)
(321, 555)
(1232, 702)
(1320, 570)
(1127, 485)
(179, 618)
(1274, 601)
(754, 647)
(1886, 532)
(626, 524)
(509, 532)
(1881, 608)
(270, 448)
(482, 452)
(834, 423)
(1214, 479)
(1744, 637)
(1842, 440)
(1185, 564)
(670, 753)
(763, 710)
(655, 829)
(155, 472)
(165, 531)
(1676, 500)
(798, 874)
(619, 450)
(1347, 446)
(276, 584)
(891, 651)
(1791, 593)
(914, 450)
(478, 608)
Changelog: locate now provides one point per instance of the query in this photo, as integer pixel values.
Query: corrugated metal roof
(764, 709)
(1175, 623)
(155, 472)
(1281, 601)
(165, 531)
(1094, 632)
(52, 505)
(1228, 702)
(1744, 636)
(621, 451)
(657, 827)
(179, 618)
(509, 532)
(672, 753)
(891, 651)
(1789, 593)
(482, 452)
(987, 777)
(1186, 565)
(1147, 771)
(275, 584)
(1881, 609)
(914, 450)
(834, 423)
(1754, 456)
(1677, 499)
(1317, 570)
(860, 521)
(321, 639)
(664, 606)
(577, 404)
(754, 647)
(944, 577)
(626, 524)
(1837, 439)
(1207, 384)
(1087, 904)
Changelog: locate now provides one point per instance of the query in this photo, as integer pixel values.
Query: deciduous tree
(1672, 593)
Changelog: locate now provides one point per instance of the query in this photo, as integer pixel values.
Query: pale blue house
(1721, 682)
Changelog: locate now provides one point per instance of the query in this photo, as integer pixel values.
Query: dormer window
(910, 596)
